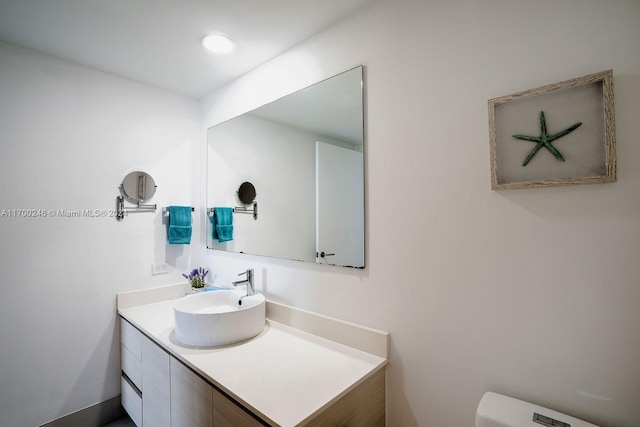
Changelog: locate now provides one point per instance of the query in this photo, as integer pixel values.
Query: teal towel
(179, 235)
(222, 224)
(225, 233)
(180, 215)
(179, 231)
(214, 234)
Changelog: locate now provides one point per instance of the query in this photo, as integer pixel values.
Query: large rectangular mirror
(303, 153)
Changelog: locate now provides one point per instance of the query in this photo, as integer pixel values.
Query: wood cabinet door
(191, 398)
(156, 377)
(226, 413)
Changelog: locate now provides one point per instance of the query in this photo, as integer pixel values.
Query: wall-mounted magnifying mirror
(138, 187)
(247, 193)
(306, 151)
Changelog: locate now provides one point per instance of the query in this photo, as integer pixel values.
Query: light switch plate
(161, 268)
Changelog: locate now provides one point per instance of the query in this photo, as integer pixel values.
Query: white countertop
(284, 375)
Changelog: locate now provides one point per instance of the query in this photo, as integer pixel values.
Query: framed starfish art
(558, 134)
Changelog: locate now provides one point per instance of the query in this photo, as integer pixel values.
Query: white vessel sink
(216, 318)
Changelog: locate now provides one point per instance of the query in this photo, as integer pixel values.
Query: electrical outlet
(161, 268)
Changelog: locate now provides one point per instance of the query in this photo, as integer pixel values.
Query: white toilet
(496, 410)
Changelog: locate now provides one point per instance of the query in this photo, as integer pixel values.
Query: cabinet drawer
(131, 338)
(131, 401)
(131, 366)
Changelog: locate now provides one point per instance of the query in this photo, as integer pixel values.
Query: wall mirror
(305, 153)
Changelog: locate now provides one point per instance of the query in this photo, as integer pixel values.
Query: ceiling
(158, 41)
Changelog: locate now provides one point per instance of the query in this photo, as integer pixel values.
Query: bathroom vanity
(303, 369)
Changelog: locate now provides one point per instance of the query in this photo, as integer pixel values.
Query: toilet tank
(496, 410)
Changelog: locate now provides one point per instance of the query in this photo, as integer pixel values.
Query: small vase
(197, 283)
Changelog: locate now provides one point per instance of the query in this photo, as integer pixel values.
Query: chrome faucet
(248, 281)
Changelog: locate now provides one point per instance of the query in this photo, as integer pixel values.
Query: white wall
(68, 135)
(532, 293)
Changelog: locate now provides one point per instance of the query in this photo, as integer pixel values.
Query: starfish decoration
(545, 140)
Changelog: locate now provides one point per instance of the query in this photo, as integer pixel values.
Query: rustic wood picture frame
(576, 118)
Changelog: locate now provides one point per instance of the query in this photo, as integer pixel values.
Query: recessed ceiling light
(218, 43)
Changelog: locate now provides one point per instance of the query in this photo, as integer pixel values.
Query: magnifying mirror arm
(122, 210)
(244, 209)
